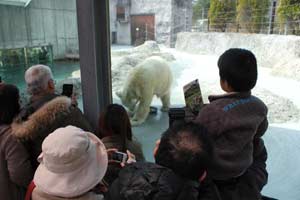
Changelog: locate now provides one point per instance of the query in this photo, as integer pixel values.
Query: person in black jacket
(182, 156)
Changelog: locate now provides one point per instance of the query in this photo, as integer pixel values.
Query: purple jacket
(234, 121)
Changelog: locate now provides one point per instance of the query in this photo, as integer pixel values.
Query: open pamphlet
(193, 96)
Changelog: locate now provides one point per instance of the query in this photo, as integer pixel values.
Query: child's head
(238, 68)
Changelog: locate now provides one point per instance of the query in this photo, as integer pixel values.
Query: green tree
(222, 14)
(289, 15)
(200, 9)
(252, 15)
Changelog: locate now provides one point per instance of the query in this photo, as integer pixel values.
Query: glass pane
(190, 36)
(43, 32)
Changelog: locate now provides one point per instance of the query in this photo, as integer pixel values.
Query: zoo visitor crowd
(49, 151)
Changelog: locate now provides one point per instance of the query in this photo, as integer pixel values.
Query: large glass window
(190, 36)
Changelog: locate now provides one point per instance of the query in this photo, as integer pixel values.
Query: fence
(268, 24)
(26, 56)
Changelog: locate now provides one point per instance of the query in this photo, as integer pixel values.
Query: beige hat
(72, 162)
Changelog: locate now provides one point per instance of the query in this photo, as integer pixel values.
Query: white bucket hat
(72, 162)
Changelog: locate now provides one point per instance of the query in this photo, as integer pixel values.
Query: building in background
(33, 23)
(40, 23)
(134, 21)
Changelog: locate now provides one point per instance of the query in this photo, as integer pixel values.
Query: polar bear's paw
(135, 122)
(164, 109)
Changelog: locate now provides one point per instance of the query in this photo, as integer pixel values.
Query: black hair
(239, 68)
(9, 103)
(186, 149)
(115, 121)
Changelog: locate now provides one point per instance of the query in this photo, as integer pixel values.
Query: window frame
(95, 57)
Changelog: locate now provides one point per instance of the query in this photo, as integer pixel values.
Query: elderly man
(45, 112)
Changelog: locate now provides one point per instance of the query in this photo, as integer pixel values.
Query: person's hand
(131, 158)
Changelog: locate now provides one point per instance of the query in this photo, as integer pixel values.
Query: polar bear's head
(128, 99)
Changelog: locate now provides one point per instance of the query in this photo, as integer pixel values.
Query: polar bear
(151, 77)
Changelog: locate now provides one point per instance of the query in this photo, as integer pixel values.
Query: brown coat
(56, 113)
(236, 123)
(15, 168)
(233, 121)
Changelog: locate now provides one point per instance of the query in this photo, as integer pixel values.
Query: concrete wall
(182, 13)
(42, 22)
(279, 52)
(124, 33)
(163, 16)
(122, 29)
(113, 15)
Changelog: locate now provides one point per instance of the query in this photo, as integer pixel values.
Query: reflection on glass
(43, 32)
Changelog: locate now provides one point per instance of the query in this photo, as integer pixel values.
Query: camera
(119, 157)
(67, 90)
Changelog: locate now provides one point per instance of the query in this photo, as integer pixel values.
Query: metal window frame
(95, 62)
(23, 3)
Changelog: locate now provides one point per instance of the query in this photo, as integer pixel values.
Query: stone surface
(281, 53)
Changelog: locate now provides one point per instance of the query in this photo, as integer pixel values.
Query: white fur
(151, 77)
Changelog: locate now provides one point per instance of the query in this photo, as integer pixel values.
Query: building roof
(23, 3)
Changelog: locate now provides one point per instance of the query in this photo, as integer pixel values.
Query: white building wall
(123, 33)
(113, 15)
(122, 29)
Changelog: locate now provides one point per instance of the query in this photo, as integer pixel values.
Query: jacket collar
(42, 98)
(41, 119)
(230, 95)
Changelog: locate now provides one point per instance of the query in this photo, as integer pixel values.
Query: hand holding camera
(115, 156)
(67, 90)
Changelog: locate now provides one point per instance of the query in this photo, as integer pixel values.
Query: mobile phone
(67, 90)
(119, 157)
